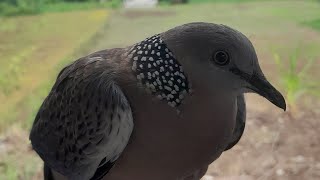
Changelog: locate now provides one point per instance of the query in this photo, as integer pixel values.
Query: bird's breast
(177, 143)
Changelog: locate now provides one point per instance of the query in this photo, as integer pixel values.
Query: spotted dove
(161, 109)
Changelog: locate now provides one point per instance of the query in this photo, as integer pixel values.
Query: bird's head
(218, 56)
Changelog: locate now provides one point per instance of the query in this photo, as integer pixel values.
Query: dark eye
(221, 58)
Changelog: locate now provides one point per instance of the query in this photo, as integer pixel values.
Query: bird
(162, 109)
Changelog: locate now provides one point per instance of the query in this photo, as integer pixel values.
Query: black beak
(259, 84)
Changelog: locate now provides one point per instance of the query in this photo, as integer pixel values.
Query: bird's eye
(221, 58)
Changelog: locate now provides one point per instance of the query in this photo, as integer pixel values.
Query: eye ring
(221, 58)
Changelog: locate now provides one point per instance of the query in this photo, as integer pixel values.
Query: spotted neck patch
(156, 67)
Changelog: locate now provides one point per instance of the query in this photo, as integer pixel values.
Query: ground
(275, 145)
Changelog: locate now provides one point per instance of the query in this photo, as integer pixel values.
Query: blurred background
(39, 37)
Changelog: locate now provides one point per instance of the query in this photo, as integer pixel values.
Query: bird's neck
(157, 70)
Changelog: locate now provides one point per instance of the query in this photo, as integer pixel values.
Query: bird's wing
(240, 122)
(84, 123)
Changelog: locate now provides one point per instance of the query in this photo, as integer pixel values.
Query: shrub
(173, 1)
(16, 7)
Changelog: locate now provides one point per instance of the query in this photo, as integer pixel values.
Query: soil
(275, 145)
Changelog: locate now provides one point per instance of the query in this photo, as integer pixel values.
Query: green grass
(239, 1)
(168, 2)
(20, 7)
(71, 6)
(223, 1)
(39, 6)
(296, 78)
(314, 24)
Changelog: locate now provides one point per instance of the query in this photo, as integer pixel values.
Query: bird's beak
(259, 84)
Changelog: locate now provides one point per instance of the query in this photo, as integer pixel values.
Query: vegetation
(13, 7)
(20, 7)
(314, 24)
(173, 1)
(204, 1)
(295, 79)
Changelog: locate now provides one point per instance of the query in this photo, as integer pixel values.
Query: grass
(30, 48)
(39, 6)
(314, 24)
(71, 6)
(295, 78)
(166, 2)
(224, 1)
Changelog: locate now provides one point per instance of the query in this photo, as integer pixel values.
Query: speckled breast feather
(156, 67)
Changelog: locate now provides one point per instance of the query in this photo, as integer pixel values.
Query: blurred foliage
(173, 1)
(296, 78)
(314, 23)
(69, 6)
(20, 7)
(202, 1)
(15, 7)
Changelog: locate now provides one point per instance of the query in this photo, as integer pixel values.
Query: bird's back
(84, 119)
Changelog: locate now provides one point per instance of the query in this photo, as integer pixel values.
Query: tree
(179, 1)
(174, 1)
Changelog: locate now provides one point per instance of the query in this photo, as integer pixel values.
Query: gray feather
(84, 119)
(240, 122)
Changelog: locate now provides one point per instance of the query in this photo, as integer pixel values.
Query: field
(275, 145)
